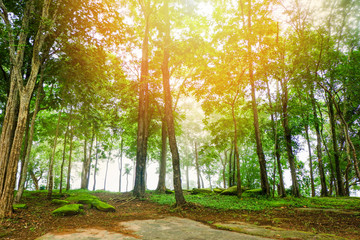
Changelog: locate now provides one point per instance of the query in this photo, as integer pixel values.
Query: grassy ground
(340, 216)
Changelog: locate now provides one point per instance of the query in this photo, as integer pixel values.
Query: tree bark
(143, 118)
(197, 166)
(238, 174)
(262, 162)
(64, 151)
(310, 160)
(179, 197)
(51, 165)
(276, 145)
(69, 164)
(162, 173)
(288, 141)
(29, 145)
(107, 166)
(324, 191)
(96, 161)
(340, 183)
(121, 162)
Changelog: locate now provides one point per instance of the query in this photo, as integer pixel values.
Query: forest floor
(37, 220)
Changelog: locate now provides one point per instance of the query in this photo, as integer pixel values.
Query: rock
(82, 199)
(219, 190)
(168, 191)
(201, 191)
(101, 206)
(253, 193)
(232, 190)
(67, 210)
(59, 202)
(19, 206)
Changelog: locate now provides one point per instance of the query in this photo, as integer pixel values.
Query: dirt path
(160, 229)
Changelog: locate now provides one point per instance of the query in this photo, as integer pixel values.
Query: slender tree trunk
(340, 183)
(23, 152)
(29, 145)
(143, 119)
(262, 162)
(197, 166)
(276, 145)
(179, 197)
(310, 160)
(162, 175)
(238, 175)
(324, 191)
(288, 141)
(96, 162)
(187, 178)
(121, 162)
(51, 165)
(34, 179)
(230, 165)
(70, 155)
(348, 166)
(107, 166)
(83, 172)
(90, 158)
(64, 151)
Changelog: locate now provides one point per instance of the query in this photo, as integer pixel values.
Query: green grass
(261, 203)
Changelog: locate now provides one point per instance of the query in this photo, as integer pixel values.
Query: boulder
(232, 190)
(68, 210)
(218, 190)
(82, 198)
(253, 193)
(59, 202)
(102, 206)
(201, 191)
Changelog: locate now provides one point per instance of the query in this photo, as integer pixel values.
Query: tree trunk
(262, 162)
(70, 155)
(310, 160)
(288, 141)
(187, 178)
(83, 171)
(197, 166)
(276, 144)
(107, 166)
(64, 151)
(143, 118)
(238, 175)
(162, 174)
(13, 126)
(96, 162)
(29, 145)
(324, 191)
(340, 183)
(34, 179)
(230, 165)
(51, 165)
(121, 162)
(179, 197)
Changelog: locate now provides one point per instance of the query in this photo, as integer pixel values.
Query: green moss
(19, 206)
(102, 206)
(219, 190)
(253, 193)
(59, 202)
(67, 210)
(82, 198)
(201, 191)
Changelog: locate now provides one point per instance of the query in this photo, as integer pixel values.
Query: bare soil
(37, 220)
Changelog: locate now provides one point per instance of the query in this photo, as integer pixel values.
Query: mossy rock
(82, 198)
(68, 210)
(168, 191)
(59, 202)
(201, 191)
(218, 190)
(101, 206)
(232, 190)
(253, 193)
(19, 206)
